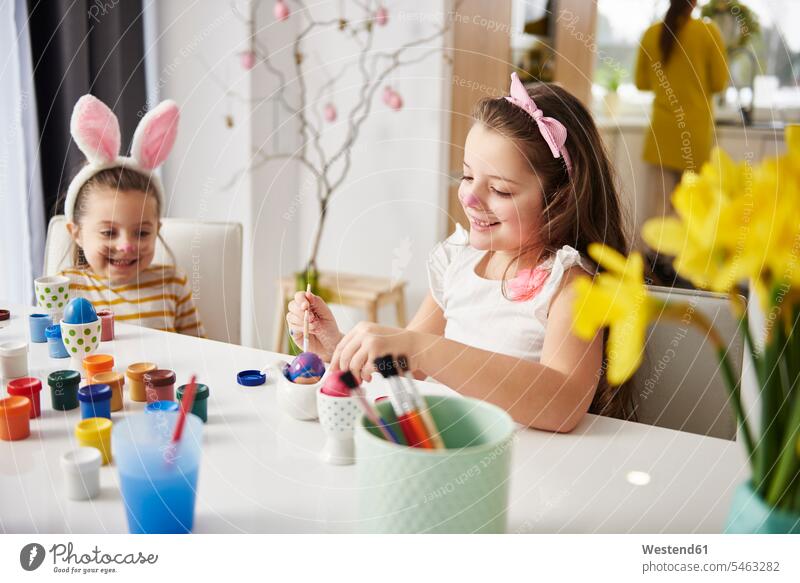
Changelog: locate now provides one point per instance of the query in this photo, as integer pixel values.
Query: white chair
(209, 253)
(680, 383)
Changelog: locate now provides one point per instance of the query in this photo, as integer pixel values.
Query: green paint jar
(64, 389)
(200, 406)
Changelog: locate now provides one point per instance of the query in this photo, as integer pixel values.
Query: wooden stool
(356, 291)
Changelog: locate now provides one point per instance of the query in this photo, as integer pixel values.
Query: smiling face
(499, 192)
(117, 231)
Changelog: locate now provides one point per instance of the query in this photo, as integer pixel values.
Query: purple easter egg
(306, 365)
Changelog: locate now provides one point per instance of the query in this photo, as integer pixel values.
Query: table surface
(261, 470)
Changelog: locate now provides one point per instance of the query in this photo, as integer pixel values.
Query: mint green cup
(460, 489)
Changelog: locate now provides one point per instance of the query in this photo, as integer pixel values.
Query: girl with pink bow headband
(113, 208)
(496, 324)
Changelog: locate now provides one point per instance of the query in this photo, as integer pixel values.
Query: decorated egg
(307, 368)
(79, 311)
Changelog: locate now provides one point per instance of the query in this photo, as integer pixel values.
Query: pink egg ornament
(280, 11)
(247, 59)
(329, 113)
(381, 16)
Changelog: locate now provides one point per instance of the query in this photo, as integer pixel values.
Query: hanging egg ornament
(381, 16)
(395, 101)
(247, 59)
(281, 11)
(329, 113)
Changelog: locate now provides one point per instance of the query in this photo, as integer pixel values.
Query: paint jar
(95, 401)
(95, 432)
(81, 468)
(135, 374)
(30, 387)
(200, 406)
(161, 407)
(96, 363)
(64, 389)
(107, 324)
(160, 385)
(15, 420)
(37, 324)
(54, 343)
(13, 359)
(115, 380)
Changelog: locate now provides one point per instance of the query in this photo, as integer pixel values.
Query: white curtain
(21, 201)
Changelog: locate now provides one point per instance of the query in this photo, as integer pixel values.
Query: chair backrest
(680, 383)
(209, 253)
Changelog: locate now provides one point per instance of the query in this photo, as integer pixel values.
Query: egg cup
(80, 340)
(297, 400)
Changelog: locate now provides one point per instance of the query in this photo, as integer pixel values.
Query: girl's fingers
(347, 350)
(359, 361)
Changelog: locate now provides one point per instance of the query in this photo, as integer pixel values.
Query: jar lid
(15, 404)
(5, 315)
(162, 406)
(92, 426)
(81, 459)
(70, 377)
(109, 377)
(37, 316)
(160, 377)
(105, 313)
(53, 331)
(138, 369)
(13, 348)
(24, 386)
(251, 378)
(98, 362)
(91, 393)
(202, 392)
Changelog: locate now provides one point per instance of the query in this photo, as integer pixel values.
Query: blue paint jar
(54, 343)
(95, 401)
(38, 323)
(161, 407)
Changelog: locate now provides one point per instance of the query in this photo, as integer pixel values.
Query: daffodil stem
(732, 381)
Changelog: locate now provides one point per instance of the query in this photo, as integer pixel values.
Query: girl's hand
(367, 341)
(323, 332)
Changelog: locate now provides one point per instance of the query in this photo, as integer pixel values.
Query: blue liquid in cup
(158, 486)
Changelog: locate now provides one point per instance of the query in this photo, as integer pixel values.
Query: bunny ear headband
(552, 130)
(95, 129)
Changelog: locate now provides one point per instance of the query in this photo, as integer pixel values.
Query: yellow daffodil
(617, 299)
(704, 237)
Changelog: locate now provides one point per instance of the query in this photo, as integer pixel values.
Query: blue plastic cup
(54, 343)
(162, 406)
(158, 483)
(95, 401)
(38, 323)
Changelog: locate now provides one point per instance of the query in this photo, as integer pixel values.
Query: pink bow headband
(552, 130)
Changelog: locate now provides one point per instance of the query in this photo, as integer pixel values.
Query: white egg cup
(295, 399)
(81, 340)
(338, 416)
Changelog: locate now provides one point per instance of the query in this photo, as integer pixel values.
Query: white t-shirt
(477, 312)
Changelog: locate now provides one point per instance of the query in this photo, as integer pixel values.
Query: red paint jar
(159, 385)
(29, 387)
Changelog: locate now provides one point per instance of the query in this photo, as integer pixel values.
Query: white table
(261, 473)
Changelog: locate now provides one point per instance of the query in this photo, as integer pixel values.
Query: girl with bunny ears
(113, 208)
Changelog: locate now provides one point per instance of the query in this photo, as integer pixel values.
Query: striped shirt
(160, 298)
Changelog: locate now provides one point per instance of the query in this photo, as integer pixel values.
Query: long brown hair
(579, 207)
(121, 179)
(677, 13)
